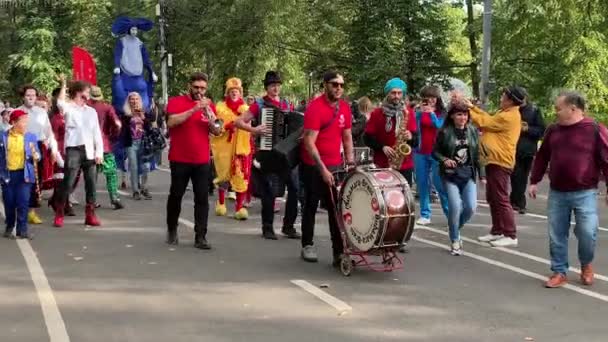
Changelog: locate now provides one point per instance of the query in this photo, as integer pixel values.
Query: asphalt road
(121, 283)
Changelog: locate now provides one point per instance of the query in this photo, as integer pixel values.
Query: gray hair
(573, 98)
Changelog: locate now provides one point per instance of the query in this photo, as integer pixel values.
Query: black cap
(516, 94)
(272, 77)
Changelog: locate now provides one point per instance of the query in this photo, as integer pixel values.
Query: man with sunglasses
(327, 126)
(262, 182)
(190, 119)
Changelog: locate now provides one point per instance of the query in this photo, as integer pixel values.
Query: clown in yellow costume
(232, 151)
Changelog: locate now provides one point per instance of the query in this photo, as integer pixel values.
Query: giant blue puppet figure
(130, 58)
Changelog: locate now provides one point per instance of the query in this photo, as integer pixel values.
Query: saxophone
(401, 147)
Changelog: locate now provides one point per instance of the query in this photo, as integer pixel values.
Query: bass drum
(377, 209)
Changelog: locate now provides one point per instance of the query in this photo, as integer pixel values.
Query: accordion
(279, 151)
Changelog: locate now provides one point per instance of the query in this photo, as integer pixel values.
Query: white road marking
(516, 269)
(55, 325)
(339, 305)
(486, 205)
(509, 251)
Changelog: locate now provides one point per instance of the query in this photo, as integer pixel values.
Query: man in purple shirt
(576, 151)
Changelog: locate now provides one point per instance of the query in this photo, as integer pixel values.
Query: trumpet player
(190, 120)
(391, 131)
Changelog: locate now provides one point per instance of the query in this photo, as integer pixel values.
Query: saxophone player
(391, 131)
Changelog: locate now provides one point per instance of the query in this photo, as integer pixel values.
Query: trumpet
(217, 124)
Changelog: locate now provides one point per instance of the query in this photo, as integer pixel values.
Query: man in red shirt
(110, 129)
(327, 126)
(382, 128)
(264, 183)
(189, 118)
(576, 151)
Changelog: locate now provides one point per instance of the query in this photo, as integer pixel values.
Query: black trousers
(519, 181)
(266, 193)
(409, 176)
(181, 175)
(315, 190)
(75, 161)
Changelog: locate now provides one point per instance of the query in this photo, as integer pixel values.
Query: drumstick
(35, 162)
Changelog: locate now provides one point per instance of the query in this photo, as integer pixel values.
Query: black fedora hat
(272, 77)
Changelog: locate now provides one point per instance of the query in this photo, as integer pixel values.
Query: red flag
(83, 65)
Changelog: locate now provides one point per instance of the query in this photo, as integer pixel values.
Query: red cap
(16, 114)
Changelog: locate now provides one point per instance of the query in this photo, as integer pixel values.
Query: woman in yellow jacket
(232, 151)
(500, 133)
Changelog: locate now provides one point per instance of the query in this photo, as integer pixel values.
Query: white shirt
(40, 125)
(82, 128)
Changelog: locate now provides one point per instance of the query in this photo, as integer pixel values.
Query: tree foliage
(544, 46)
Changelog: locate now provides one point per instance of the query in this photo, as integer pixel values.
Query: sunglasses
(337, 84)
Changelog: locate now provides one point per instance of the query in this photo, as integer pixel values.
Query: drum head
(360, 210)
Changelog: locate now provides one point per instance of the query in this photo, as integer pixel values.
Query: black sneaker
(290, 233)
(522, 211)
(268, 233)
(146, 194)
(136, 196)
(117, 204)
(8, 235)
(202, 244)
(172, 238)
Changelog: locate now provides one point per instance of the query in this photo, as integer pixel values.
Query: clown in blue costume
(130, 59)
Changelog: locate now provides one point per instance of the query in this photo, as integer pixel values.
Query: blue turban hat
(395, 83)
(123, 24)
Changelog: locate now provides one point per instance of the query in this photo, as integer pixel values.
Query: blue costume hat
(395, 83)
(122, 25)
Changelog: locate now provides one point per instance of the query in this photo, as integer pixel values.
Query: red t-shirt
(320, 113)
(190, 140)
(376, 128)
(254, 109)
(428, 133)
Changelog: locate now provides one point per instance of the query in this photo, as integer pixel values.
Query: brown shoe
(556, 280)
(587, 275)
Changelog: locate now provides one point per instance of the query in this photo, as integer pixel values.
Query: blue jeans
(462, 202)
(560, 207)
(134, 153)
(425, 165)
(16, 197)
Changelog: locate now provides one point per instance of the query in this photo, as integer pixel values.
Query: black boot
(268, 233)
(290, 232)
(172, 238)
(201, 243)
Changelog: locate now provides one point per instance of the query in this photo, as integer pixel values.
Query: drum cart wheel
(346, 265)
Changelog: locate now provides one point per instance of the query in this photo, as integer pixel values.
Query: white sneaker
(232, 195)
(504, 242)
(490, 237)
(456, 248)
(423, 221)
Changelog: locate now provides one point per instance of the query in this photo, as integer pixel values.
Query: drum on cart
(377, 210)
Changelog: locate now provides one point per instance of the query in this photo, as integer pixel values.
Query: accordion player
(278, 151)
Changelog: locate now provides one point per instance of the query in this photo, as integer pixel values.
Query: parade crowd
(51, 143)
